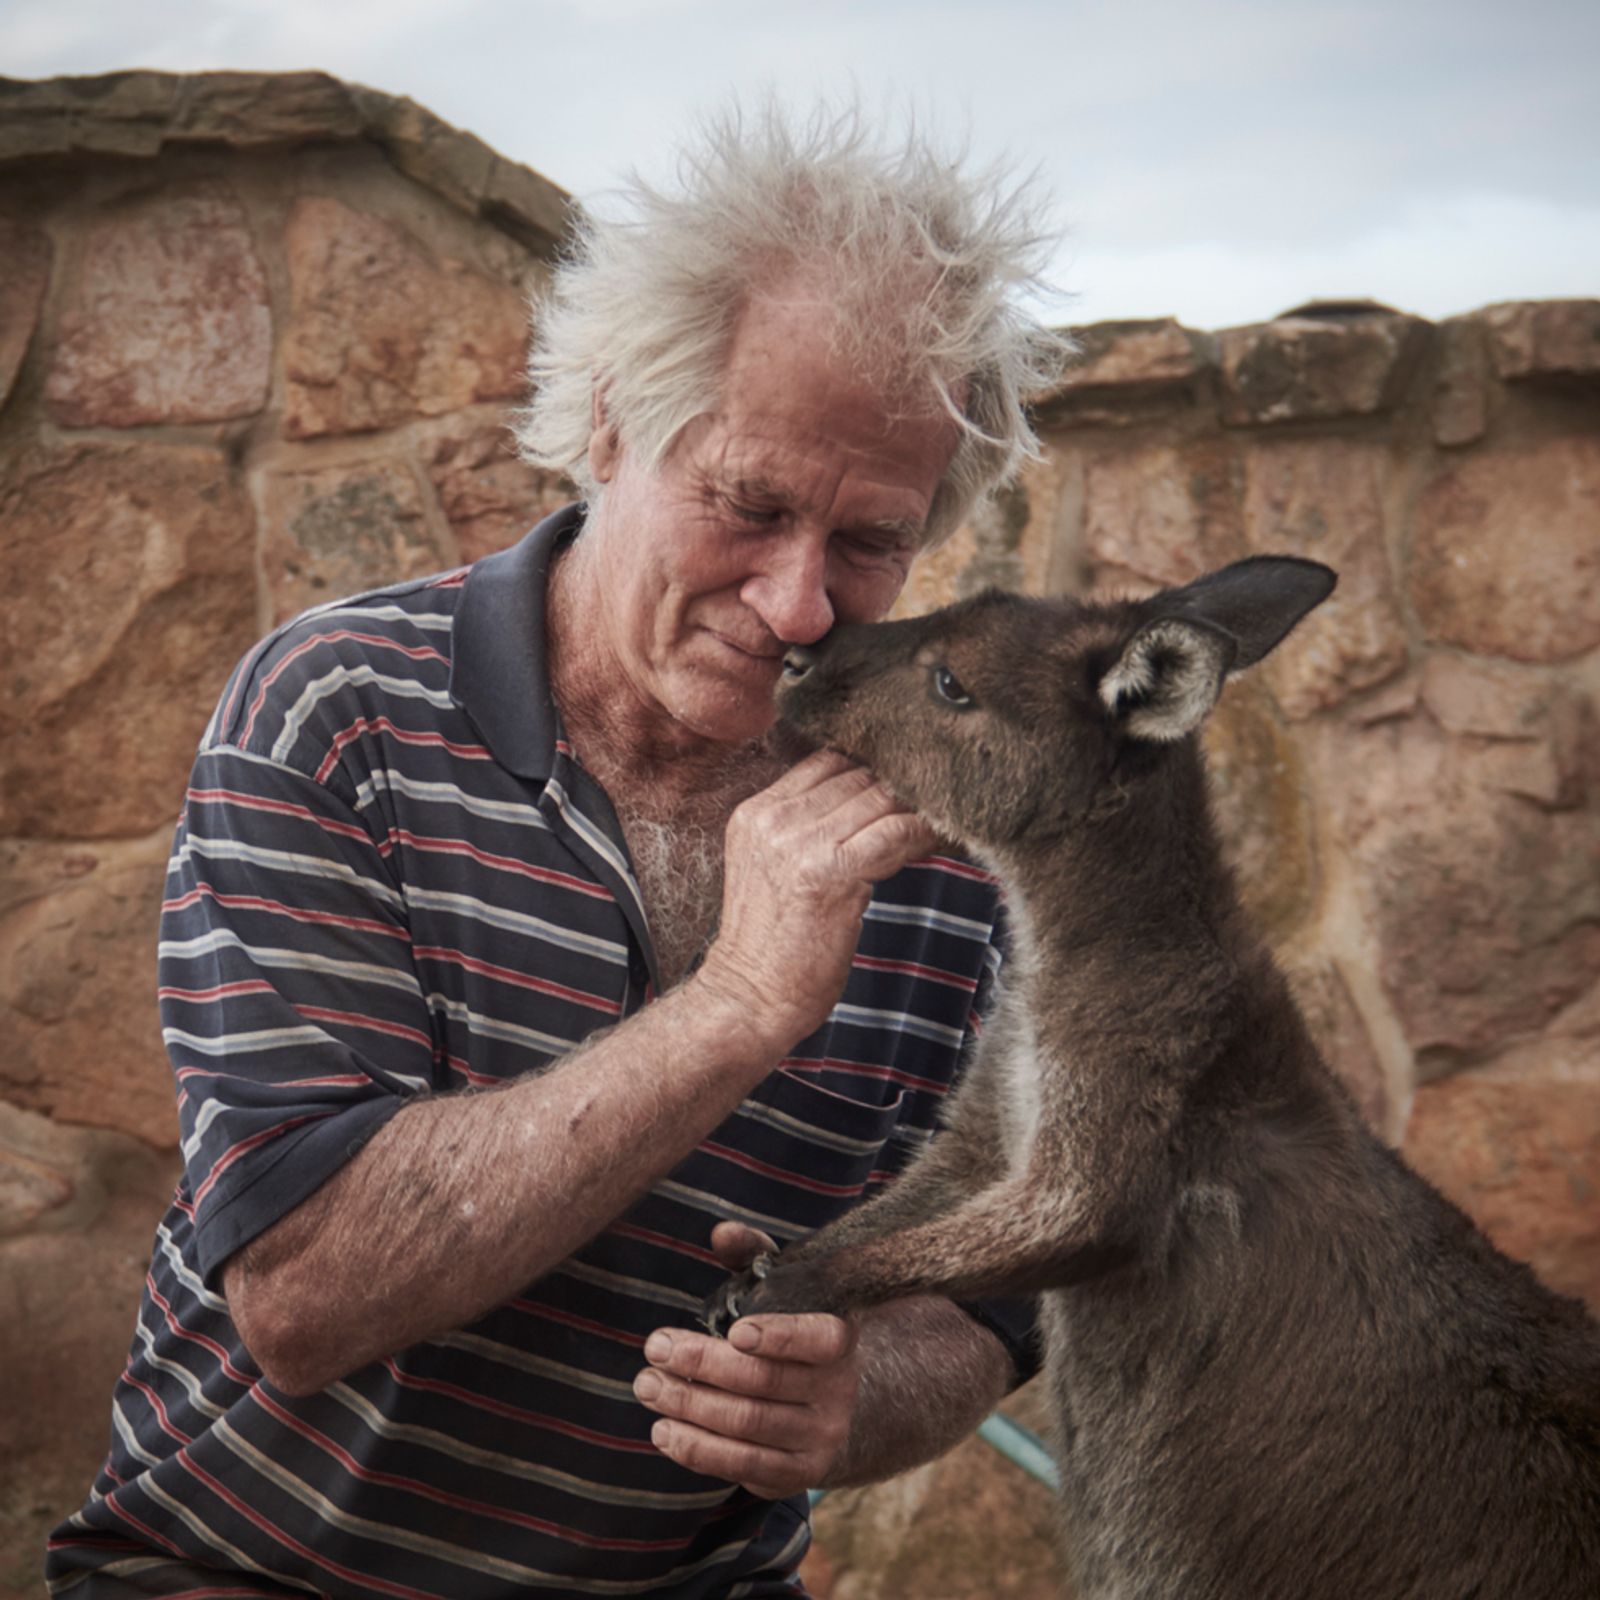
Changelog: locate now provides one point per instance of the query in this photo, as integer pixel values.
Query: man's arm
(461, 1200)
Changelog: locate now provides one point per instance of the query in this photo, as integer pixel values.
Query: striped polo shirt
(392, 879)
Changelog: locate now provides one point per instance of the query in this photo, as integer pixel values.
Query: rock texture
(1301, 368)
(126, 593)
(256, 339)
(382, 330)
(26, 252)
(1506, 559)
(168, 320)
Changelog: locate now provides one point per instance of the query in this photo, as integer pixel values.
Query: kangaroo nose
(798, 661)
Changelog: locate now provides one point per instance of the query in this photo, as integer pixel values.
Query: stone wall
(257, 337)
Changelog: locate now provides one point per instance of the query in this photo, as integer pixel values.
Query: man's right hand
(801, 858)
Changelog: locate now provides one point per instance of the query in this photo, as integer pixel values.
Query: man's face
(799, 502)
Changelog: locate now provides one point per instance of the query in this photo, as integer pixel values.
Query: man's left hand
(770, 1406)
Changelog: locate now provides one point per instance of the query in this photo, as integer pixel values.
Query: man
(503, 955)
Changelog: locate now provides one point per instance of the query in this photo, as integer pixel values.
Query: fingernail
(658, 1347)
(648, 1386)
(745, 1336)
(661, 1435)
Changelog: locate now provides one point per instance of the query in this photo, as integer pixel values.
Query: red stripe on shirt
(362, 1579)
(570, 1319)
(356, 1019)
(522, 980)
(250, 902)
(191, 1337)
(861, 1069)
(916, 970)
(630, 1230)
(502, 1408)
(166, 1424)
(467, 752)
(524, 869)
(766, 1169)
(245, 1146)
(957, 869)
(220, 991)
(421, 652)
(281, 808)
(446, 1497)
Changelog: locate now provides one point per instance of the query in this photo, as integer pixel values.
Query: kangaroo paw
(732, 1300)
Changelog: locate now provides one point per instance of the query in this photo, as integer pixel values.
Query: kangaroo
(1283, 1367)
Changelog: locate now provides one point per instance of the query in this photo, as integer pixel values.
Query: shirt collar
(498, 672)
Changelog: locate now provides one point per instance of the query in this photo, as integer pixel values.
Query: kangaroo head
(1002, 718)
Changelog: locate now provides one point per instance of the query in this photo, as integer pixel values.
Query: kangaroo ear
(1167, 678)
(1255, 601)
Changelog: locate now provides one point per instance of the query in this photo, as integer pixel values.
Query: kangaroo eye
(948, 687)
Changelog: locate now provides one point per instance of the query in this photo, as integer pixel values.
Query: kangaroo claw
(727, 1305)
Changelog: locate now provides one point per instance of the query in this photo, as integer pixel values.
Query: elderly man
(516, 985)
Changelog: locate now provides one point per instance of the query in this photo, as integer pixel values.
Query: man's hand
(800, 861)
(770, 1407)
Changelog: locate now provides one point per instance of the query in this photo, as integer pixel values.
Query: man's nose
(790, 592)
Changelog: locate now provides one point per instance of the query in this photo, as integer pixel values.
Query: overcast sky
(1215, 162)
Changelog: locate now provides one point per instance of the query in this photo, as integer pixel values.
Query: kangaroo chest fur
(1280, 1363)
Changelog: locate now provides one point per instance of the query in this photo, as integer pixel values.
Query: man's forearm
(930, 1375)
(460, 1200)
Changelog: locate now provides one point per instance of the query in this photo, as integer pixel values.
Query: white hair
(925, 266)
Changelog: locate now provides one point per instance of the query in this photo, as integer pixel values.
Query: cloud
(1444, 256)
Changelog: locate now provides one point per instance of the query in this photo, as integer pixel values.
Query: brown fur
(1283, 1365)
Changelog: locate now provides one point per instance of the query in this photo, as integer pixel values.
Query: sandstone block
(334, 531)
(127, 592)
(169, 319)
(1506, 551)
(1484, 904)
(1522, 1159)
(26, 253)
(1540, 727)
(489, 497)
(1016, 543)
(1544, 338)
(381, 331)
(1485, 698)
(1128, 372)
(1323, 498)
(1461, 383)
(77, 985)
(1162, 514)
(1302, 368)
(250, 108)
(116, 113)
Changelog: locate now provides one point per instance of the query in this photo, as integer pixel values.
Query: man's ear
(605, 447)
(1167, 678)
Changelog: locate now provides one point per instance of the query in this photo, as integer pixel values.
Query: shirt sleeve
(290, 1005)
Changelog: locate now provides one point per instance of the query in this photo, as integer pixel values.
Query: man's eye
(948, 688)
(753, 514)
(875, 546)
